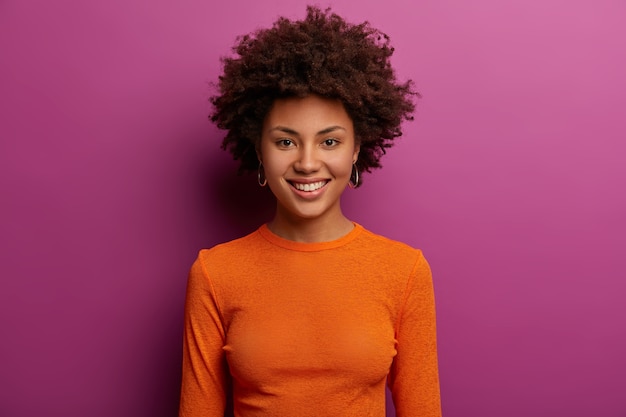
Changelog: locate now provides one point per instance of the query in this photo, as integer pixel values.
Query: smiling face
(307, 149)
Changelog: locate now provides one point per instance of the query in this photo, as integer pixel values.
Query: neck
(322, 229)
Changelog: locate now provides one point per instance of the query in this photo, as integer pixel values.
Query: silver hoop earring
(354, 177)
(261, 177)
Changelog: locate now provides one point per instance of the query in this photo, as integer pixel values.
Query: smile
(308, 187)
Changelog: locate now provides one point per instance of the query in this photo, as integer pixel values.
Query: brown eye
(285, 142)
(330, 142)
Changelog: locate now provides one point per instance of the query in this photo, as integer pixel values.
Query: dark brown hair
(323, 55)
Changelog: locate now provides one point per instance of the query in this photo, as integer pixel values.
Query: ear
(258, 153)
(355, 155)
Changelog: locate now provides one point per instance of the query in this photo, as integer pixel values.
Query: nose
(308, 160)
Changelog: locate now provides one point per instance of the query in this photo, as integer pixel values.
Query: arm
(414, 377)
(204, 382)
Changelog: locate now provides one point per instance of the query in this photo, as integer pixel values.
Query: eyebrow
(290, 131)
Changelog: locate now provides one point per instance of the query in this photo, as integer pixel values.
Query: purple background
(511, 179)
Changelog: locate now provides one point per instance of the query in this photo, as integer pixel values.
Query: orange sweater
(310, 329)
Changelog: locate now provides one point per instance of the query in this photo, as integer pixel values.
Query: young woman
(311, 314)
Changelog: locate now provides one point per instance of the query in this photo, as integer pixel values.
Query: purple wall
(511, 179)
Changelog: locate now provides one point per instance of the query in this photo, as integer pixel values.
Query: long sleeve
(414, 377)
(280, 328)
(204, 374)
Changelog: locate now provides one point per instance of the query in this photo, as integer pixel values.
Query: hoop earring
(354, 177)
(261, 177)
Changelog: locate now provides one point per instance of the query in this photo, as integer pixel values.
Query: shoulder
(232, 247)
(228, 255)
(218, 268)
(382, 245)
(391, 258)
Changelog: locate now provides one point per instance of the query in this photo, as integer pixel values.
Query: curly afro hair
(322, 55)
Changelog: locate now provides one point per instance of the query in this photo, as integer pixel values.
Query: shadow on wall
(238, 205)
(162, 367)
(220, 206)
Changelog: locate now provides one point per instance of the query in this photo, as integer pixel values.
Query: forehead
(307, 113)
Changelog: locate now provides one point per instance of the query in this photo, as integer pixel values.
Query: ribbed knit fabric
(310, 329)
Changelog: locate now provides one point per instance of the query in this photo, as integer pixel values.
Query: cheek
(274, 167)
(267, 157)
(343, 165)
(270, 162)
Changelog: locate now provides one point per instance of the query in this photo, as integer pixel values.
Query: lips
(308, 186)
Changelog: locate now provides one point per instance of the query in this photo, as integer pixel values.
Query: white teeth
(309, 187)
